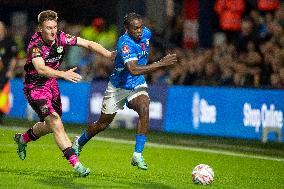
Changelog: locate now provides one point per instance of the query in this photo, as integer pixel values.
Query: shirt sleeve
(67, 39)
(128, 52)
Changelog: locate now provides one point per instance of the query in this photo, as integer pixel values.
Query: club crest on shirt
(125, 49)
(59, 49)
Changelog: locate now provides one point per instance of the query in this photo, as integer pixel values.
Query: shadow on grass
(36, 173)
(93, 183)
(5, 152)
(68, 179)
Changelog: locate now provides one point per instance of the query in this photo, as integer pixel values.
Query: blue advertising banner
(18, 102)
(128, 118)
(228, 112)
(158, 97)
(75, 101)
(96, 98)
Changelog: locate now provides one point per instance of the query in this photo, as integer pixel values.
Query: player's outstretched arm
(136, 69)
(46, 71)
(96, 47)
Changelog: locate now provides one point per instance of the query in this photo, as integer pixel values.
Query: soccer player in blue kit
(128, 86)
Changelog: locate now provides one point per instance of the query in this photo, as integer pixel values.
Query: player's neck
(133, 38)
(50, 43)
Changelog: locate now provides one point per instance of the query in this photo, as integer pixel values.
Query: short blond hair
(46, 15)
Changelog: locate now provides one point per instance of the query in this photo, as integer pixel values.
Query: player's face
(135, 28)
(48, 30)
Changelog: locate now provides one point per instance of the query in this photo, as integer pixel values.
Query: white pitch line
(156, 145)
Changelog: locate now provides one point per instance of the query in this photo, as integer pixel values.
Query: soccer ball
(202, 174)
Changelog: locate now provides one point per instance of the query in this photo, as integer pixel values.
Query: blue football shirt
(129, 49)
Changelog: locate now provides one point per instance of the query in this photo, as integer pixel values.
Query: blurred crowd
(252, 56)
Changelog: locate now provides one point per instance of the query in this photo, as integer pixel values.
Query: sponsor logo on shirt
(55, 59)
(142, 53)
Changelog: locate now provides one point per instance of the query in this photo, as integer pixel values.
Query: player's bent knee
(57, 129)
(54, 122)
(52, 117)
(102, 126)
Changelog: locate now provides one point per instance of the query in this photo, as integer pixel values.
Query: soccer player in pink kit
(44, 55)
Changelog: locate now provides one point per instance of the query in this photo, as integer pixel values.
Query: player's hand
(169, 59)
(70, 75)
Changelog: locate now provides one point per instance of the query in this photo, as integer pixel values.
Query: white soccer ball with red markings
(202, 174)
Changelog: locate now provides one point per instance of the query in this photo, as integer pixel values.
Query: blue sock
(140, 142)
(83, 138)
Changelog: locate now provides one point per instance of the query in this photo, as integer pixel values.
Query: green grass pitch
(109, 161)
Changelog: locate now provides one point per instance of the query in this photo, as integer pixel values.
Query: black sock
(31, 134)
(68, 152)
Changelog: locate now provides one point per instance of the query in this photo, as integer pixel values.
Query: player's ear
(40, 28)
